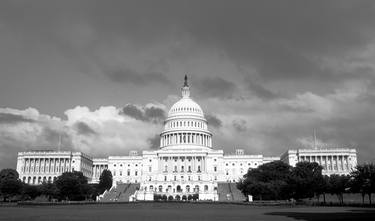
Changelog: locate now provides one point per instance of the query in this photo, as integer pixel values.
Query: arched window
(196, 189)
(205, 188)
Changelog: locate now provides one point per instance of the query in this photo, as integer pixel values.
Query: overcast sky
(103, 74)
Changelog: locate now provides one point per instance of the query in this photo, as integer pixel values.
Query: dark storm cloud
(133, 111)
(50, 135)
(351, 132)
(7, 118)
(214, 87)
(239, 125)
(259, 91)
(133, 77)
(154, 142)
(281, 40)
(154, 114)
(52, 138)
(149, 114)
(213, 120)
(84, 129)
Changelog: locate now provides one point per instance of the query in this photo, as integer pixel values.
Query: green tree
(322, 187)
(30, 192)
(49, 190)
(305, 179)
(363, 180)
(72, 185)
(93, 191)
(9, 183)
(105, 180)
(8, 174)
(268, 181)
(338, 185)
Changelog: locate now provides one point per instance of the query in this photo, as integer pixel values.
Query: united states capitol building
(186, 162)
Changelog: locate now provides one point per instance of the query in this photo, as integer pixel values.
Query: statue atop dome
(186, 81)
(185, 89)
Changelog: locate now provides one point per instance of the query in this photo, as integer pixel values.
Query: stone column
(203, 164)
(193, 164)
(170, 164)
(185, 165)
(329, 158)
(179, 164)
(55, 165)
(28, 165)
(32, 165)
(41, 169)
(346, 162)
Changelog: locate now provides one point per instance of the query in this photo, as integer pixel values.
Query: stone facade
(34, 167)
(333, 160)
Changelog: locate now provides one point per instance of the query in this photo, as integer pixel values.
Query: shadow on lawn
(350, 215)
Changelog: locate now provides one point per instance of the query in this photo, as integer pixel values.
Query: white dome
(185, 107)
(185, 126)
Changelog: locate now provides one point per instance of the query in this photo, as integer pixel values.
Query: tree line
(69, 186)
(279, 181)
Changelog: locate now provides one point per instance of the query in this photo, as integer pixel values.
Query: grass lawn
(181, 211)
